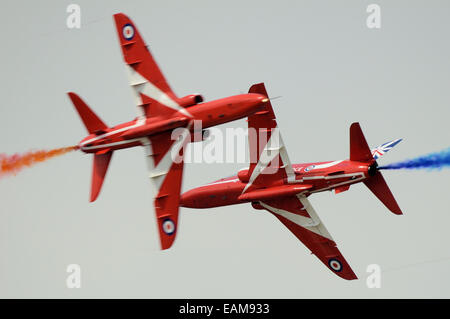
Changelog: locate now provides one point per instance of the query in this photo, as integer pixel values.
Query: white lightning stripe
(139, 122)
(312, 213)
(312, 224)
(352, 181)
(273, 147)
(158, 173)
(223, 182)
(330, 176)
(139, 84)
(86, 148)
(286, 162)
(326, 165)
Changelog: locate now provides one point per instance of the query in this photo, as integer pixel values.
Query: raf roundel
(335, 265)
(128, 31)
(168, 226)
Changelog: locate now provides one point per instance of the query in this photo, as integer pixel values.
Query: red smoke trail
(15, 163)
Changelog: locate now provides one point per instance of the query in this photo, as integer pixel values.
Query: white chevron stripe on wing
(139, 85)
(274, 147)
(158, 173)
(271, 149)
(313, 224)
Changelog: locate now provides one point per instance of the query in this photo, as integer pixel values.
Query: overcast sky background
(330, 70)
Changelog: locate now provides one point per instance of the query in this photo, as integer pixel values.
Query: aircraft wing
(269, 161)
(165, 160)
(152, 93)
(297, 214)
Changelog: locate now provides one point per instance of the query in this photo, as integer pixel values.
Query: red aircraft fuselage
(309, 178)
(135, 133)
(272, 183)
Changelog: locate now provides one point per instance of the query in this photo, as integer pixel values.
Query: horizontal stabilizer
(381, 190)
(100, 167)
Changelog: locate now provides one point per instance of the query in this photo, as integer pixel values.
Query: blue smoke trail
(437, 160)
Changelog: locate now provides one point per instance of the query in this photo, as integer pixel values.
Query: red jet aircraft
(161, 111)
(274, 184)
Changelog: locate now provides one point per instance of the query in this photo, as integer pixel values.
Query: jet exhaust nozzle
(373, 169)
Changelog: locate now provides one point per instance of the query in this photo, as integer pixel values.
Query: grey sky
(330, 70)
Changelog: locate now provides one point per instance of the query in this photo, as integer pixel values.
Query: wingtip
(165, 245)
(93, 197)
(120, 18)
(119, 14)
(397, 211)
(354, 277)
(347, 272)
(349, 277)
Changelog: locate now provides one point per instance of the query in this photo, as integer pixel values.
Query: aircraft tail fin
(360, 151)
(92, 122)
(384, 148)
(99, 169)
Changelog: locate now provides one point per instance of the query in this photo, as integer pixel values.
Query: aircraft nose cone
(256, 101)
(187, 199)
(259, 98)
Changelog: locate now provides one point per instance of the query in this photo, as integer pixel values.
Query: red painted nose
(188, 199)
(257, 99)
(252, 103)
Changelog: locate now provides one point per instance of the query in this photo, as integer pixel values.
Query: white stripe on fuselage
(351, 181)
(330, 176)
(223, 182)
(358, 177)
(139, 122)
(87, 148)
(326, 165)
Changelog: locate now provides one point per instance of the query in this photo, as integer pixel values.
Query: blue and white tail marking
(384, 148)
